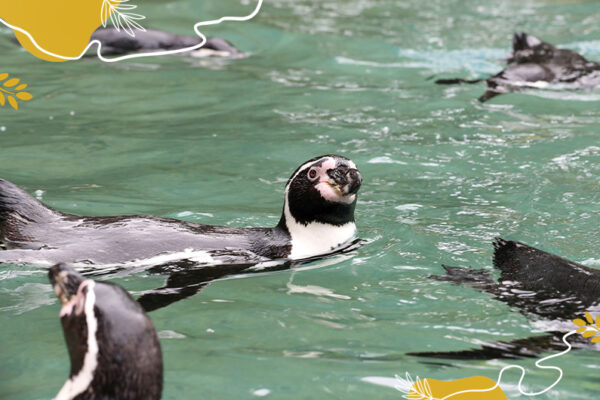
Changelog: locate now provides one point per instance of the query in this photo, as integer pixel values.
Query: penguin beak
(65, 281)
(345, 181)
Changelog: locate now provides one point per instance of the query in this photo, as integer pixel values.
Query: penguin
(317, 219)
(535, 64)
(116, 42)
(114, 350)
(536, 283)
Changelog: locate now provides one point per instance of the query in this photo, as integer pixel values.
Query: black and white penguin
(536, 283)
(116, 42)
(536, 64)
(317, 219)
(114, 350)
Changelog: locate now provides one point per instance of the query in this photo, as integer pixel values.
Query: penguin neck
(314, 238)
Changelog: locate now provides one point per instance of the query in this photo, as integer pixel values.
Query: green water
(216, 141)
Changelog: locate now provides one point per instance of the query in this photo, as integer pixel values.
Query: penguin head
(113, 347)
(73, 291)
(66, 283)
(323, 189)
(318, 210)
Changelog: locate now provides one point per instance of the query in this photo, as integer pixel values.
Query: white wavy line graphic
(140, 55)
(537, 364)
(407, 390)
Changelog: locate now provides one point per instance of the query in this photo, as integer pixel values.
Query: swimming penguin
(116, 42)
(317, 219)
(535, 64)
(536, 282)
(114, 350)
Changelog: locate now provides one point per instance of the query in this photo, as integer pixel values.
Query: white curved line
(140, 55)
(537, 364)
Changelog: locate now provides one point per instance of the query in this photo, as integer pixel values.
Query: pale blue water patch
(215, 141)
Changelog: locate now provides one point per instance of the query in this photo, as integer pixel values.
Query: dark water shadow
(186, 277)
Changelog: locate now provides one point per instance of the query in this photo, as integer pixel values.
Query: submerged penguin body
(537, 64)
(534, 282)
(115, 42)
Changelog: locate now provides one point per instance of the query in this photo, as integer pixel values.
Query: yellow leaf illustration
(589, 318)
(583, 329)
(598, 321)
(586, 334)
(579, 322)
(25, 96)
(596, 339)
(11, 82)
(13, 103)
(11, 90)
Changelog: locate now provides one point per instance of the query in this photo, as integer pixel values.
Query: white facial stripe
(77, 384)
(77, 301)
(326, 165)
(328, 161)
(303, 168)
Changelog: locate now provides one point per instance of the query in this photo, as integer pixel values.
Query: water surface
(214, 142)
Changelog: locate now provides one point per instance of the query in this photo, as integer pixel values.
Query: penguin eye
(312, 174)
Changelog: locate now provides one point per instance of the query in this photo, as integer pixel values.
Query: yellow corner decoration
(11, 90)
(471, 388)
(587, 328)
(59, 27)
(480, 387)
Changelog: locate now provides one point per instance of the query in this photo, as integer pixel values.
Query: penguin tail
(14, 201)
(524, 41)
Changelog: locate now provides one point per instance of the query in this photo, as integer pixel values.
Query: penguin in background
(536, 64)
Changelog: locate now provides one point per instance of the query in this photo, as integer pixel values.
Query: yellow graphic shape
(432, 389)
(587, 328)
(62, 27)
(11, 90)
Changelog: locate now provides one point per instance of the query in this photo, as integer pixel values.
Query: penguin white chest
(317, 238)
